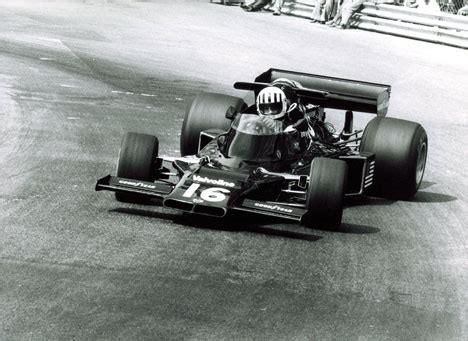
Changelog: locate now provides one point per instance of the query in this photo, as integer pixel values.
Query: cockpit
(254, 137)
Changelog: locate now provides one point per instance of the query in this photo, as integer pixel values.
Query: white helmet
(272, 102)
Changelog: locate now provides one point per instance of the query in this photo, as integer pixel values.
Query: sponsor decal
(273, 207)
(213, 194)
(137, 184)
(218, 182)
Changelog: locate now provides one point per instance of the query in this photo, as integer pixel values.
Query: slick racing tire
(325, 194)
(137, 156)
(207, 111)
(400, 149)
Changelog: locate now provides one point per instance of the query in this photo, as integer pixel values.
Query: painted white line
(73, 118)
(68, 86)
(46, 58)
(122, 92)
(148, 95)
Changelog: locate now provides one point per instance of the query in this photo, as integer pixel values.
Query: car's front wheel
(137, 156)
(325, 194)
(207, 111)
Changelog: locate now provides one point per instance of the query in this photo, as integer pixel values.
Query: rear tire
(137, 156)
(207, 111)
(400, 149)
(325, 195)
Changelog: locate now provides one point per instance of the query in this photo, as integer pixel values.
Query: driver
(279, 102)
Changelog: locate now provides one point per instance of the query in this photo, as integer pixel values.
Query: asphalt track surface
(76, 264)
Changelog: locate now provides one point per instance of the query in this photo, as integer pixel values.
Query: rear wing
(330, 92)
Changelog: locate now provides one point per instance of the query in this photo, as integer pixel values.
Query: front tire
(137, 156)
(207, 111)
(400, 149)
(325, 195)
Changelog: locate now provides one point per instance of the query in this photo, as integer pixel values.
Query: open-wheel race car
(233, 158)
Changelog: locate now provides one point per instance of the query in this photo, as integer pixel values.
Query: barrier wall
(299, 8)
(442, 28)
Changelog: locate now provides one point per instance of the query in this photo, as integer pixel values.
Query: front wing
(201, 198)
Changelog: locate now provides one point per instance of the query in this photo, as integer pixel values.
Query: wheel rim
(421, 163)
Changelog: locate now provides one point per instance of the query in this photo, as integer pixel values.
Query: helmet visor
(270, 108)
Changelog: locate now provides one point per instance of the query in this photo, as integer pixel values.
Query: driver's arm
(269, 122)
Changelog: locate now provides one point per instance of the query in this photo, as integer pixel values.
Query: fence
(451, 6)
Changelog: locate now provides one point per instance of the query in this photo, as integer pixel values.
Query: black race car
(231, 161)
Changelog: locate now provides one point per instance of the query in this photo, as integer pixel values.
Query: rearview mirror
(231, 112)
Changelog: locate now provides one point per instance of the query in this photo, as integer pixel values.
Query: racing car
(231, 161)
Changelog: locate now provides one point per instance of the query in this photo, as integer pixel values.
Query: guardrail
(442, 28)
(299, 8)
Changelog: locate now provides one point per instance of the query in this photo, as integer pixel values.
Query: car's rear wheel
(400, 149)
(137, 156)
(325, 194)
(207, 111)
